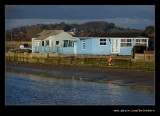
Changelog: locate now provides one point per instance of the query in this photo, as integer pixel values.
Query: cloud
(135, 23)
(79, 11)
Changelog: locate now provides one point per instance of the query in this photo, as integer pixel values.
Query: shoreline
(137, 79)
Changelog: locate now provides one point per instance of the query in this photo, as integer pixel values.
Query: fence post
(47, 55)
(130, 62)
(14, 56)
(23, 57)
(71, 59)
(147, 61)
(9, 57)
(144, 54)
(59, 59)
(133, 52)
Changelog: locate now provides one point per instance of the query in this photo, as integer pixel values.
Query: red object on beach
(109, 60)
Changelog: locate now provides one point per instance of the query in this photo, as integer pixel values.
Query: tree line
(88, 29)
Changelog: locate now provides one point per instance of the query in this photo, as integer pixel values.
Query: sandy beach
(139, 79)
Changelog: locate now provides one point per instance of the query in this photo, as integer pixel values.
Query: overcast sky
(132, 16)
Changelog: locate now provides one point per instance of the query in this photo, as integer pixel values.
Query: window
(47, 42)
(68, 43)
(35, 43)
(126, 42)
(141, 42)
(39, 43)
(42, 43)
(51, 43)
(144, 40)
(65, 43)
(103, 42)
(137, 40)
(25, 45)
(83, 44)
(57, 42)
(71, 44)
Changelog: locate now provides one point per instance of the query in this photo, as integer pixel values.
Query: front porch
(47, 49)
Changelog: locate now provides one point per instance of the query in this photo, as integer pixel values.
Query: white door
(115, 45)
(75, 48)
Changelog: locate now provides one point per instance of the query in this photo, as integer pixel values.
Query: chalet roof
(46, 33)
(108, 37)
(117, 34)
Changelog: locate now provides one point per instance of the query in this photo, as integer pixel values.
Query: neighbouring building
(24, 46)
(49, 41)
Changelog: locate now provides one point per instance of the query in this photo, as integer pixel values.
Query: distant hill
(92, 28)
(96, 26)
(101, 27)
(105, 29)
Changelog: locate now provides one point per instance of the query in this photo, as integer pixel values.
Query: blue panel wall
(101, 49)
(125, 50)
(68, 50)
(88, 47)
(93, 47)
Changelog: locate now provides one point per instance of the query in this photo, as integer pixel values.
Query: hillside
(93, 28)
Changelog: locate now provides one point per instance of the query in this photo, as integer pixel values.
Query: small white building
(49, 41)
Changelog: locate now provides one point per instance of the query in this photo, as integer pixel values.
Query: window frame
(42, 43)
(126, 42)
(47, 43)
(83, 44)
(57, 42)
(103, 41)
(35, 43)
(140, 42)
(65, 43)
(68, 43)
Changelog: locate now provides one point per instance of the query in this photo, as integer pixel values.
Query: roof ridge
(46, 33)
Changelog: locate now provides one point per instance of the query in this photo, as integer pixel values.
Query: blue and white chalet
(92, 45)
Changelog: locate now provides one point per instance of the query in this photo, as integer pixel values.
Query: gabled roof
(81, 38)
(46, 33)
(115, 34)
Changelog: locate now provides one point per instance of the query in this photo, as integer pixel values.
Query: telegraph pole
(11, 36)
(11, 39)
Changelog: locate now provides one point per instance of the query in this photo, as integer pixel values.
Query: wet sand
(140, 79)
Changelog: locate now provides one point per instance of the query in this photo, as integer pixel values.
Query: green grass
(94, 62)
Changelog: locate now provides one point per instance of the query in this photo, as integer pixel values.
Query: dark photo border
(80, 109)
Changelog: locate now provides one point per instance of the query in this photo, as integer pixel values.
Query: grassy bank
(125, 63)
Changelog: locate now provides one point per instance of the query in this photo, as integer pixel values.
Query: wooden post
(144, 54)
(9, 57)
(14, 56)
(71, 59)
(130, 62)
(37, 60)
(147, 62)
(84, 60)
(59, 59)
(133, 52)
(23, 56)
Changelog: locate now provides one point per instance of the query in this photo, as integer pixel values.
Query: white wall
(60, 37)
